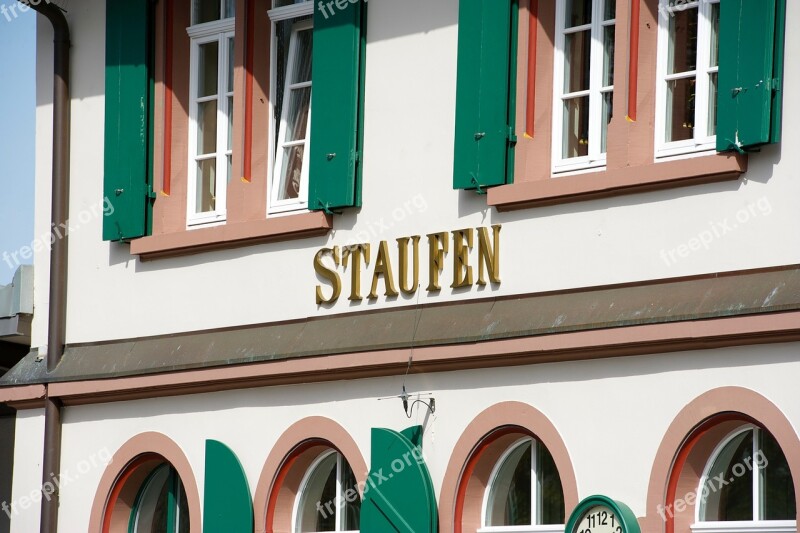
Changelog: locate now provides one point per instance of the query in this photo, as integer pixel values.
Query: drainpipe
(57, 319)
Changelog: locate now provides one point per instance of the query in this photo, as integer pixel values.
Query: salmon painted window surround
(213, 194)
(547, 114)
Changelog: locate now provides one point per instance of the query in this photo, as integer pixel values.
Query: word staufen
(352, 257)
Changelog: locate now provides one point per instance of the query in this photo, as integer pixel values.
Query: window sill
(232, 235)
(612, 182)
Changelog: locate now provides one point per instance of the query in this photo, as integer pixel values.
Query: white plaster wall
(612, 414)
(411, 73)
(27, 484)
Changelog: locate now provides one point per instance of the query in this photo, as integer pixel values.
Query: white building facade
(521, 253)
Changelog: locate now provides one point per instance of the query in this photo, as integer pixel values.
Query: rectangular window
(293, 31)
(688, 65)
(211, 113)
(584, 83)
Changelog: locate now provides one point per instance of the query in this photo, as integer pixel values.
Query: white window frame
(535, 491)
(340, 490)
(748, 526)
(596, 157)
(220, 31)
(274, 205)
(701, 142)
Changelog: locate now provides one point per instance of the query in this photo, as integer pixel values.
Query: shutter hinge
(151, 194)
(776, 84)
(512, 137)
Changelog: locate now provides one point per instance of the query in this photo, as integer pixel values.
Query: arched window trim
(535, 491)
(748, 526)
(339, 489)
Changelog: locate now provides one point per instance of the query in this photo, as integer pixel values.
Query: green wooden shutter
(749, 82)
(128, 118)
(484, 93)
(399, 495)
(227, 505)
(338, 60)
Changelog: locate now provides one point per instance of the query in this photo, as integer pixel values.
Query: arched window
(328, 499)
(149, 497)
(746, 486)
(161, 505)
(524, 490)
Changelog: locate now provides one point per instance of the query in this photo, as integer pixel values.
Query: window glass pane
(319, 488)
(291, 172)
(208, 64)
(551, 499)
(183, 512)
(576, 127)
(302, 63)
(608, 56)
(577, 49)
(734, 500)
(207, 127)
(714, 35)
(352, 506)
(610, 11)
(778, 496)
(680, 109)
(230, 64)
(579, 12)
(230, 8)
(510, 495)
(297, 119)
(153, 503)
(284, 3)
(205, 11)
(283, 33)
(608, 111)
(230, 122)
(205, 200)
(712, 103)
(682, 41)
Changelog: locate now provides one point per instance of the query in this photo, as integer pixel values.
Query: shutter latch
(327, 210)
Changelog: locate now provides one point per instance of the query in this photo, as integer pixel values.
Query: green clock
(600, 514)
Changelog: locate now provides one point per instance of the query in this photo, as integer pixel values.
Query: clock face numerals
(599, 519)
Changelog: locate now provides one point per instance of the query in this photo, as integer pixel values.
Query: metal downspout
(56, 329)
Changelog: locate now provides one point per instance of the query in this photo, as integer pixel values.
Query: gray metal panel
(430, 325)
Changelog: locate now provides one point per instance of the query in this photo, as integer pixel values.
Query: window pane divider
(576, 94)
(300, 85)
(577, 29)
